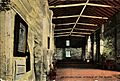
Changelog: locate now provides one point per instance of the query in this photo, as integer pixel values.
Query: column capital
(4, 5)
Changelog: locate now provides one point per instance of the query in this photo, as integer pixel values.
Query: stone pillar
(92, 47)
(6, 44)
(98, 45)
(115, 41)
(83, 49)
(2, 46)
(88, 48)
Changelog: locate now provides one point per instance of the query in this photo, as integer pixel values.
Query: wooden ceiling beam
(68, 35)
(100, 5)
(61, 35)
(94, 17)
(81, 4)
(116, 3)
(78, 35)
(83, 9)
(110, 4)
(86, 24)
(86, 16)
(83, 33)
(68, 5)
(102, 13)
(111, 10)
(105, 11)
(82, 29)
(99, 14)
(63, 29)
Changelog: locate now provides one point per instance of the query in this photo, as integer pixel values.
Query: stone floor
(75, 74)
(86, 74)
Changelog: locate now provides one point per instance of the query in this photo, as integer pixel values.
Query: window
(20, 37)
(21, 48)
(48, 42)
(68, 53)
(67, 42)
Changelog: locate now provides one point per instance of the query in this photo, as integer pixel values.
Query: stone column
(6, 44)
(98, 45)
(83, 49)
(92, 46)
(2, 46)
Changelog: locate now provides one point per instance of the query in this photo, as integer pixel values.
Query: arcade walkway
(83, 36)
(87, 29)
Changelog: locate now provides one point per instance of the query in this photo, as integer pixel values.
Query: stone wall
(39, 20)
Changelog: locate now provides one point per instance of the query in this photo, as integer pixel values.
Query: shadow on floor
(82, 65)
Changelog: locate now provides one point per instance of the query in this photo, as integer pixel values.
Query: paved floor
(76, 71)
(77, 74)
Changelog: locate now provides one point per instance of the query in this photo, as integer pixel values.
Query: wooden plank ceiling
(81, 17)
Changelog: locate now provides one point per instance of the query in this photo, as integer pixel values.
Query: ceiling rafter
(110, 11)
(109, 3)
(86, 33)
(86, 24)
(81, 4)
(118, 3)
(104, 14)
(100, 5)
(69, 5)
(97, 21)
(99, 14)
(86, 16)
(68, 35)
(79, 16)
(104, 11)
(82, 29)
(62, 29)
(78, 35)
(53, 2)
(114, 10)
(96, 17)
(93, 21)
(61, 35)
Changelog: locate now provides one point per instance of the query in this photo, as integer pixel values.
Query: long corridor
(59, 40)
